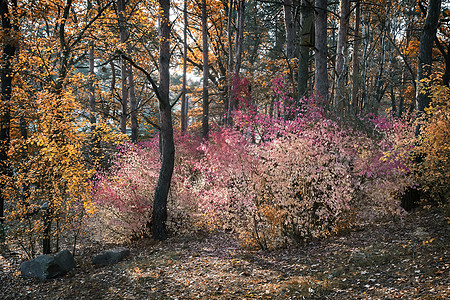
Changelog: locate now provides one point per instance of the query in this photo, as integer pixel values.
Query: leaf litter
(406, 259)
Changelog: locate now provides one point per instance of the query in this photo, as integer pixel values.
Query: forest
(295, 149)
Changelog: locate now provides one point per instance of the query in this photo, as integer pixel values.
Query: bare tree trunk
(321, 55)
(123, 68)
(364, 102)
(425, 59)
(113, 87)
(183, 97)
(289, 24)
(133, 102)
(304, 52)
(229, 102)
(379, 91)
(355, 62)
(91, 87)
(6, 76)
(159, 216)
(92, 103)
(341, 56)
(393, 102)
(205, 115)
(239, 35)
(291, 37)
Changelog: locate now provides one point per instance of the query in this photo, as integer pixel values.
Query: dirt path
(408, 260)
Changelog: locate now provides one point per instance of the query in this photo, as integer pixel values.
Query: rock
(110, 257)
(65, 260)
(47, 266)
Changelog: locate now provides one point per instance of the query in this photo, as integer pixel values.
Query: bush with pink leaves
(124, 194)
(276, 179)
(273, 179)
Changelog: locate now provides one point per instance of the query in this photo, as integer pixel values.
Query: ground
(407, 259)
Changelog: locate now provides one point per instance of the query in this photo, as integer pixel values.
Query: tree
(6, 77)
(205, 114)
(321, 55)
(184, 104)
(306, 42)
(340, 99)
(239, 35)
(159, 216)
(425, 58)
(355, 60)
(121, 11)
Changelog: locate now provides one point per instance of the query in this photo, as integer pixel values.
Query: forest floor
(406, 260)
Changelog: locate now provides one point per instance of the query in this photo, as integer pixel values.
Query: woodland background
(281, 122)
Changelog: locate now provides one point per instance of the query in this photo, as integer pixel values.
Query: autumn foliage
(270, 180)
(434, 150)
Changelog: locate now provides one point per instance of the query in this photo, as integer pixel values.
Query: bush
(433, 168)
(275, 180)
(124, 193)
(272, 180)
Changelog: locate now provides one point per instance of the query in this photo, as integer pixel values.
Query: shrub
(434, 147)
(124, 194)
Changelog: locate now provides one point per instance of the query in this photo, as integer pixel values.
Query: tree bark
(424, 63)
(304, 52)
(123, 68)
(133, 101)
(321, 84)
(229, 102)
(159, 216)
(205, 114)
(291, 32)
(355, 62)
(341, 56)
(183, 97)
(113, 88)
(91, 87)
(239, 35)
(6, 76)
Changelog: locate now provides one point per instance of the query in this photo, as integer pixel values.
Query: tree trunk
(205, 115)
(304, 52)
(446, 76)
(364, 102)
(289, 24)
(123, 68)
(229, 105)
(183, 97)
(291, 36)
(379, 90)
(393, 102)
(92, 104)
(321, 56)
(355, 62)
(341, 56)
(239, 35)
(424, 63)
(113, 88)
(6, 76)
(159, 216)
(133, 102)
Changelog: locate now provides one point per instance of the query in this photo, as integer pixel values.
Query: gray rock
(47, 266)
(65, 260)
(110, 257)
